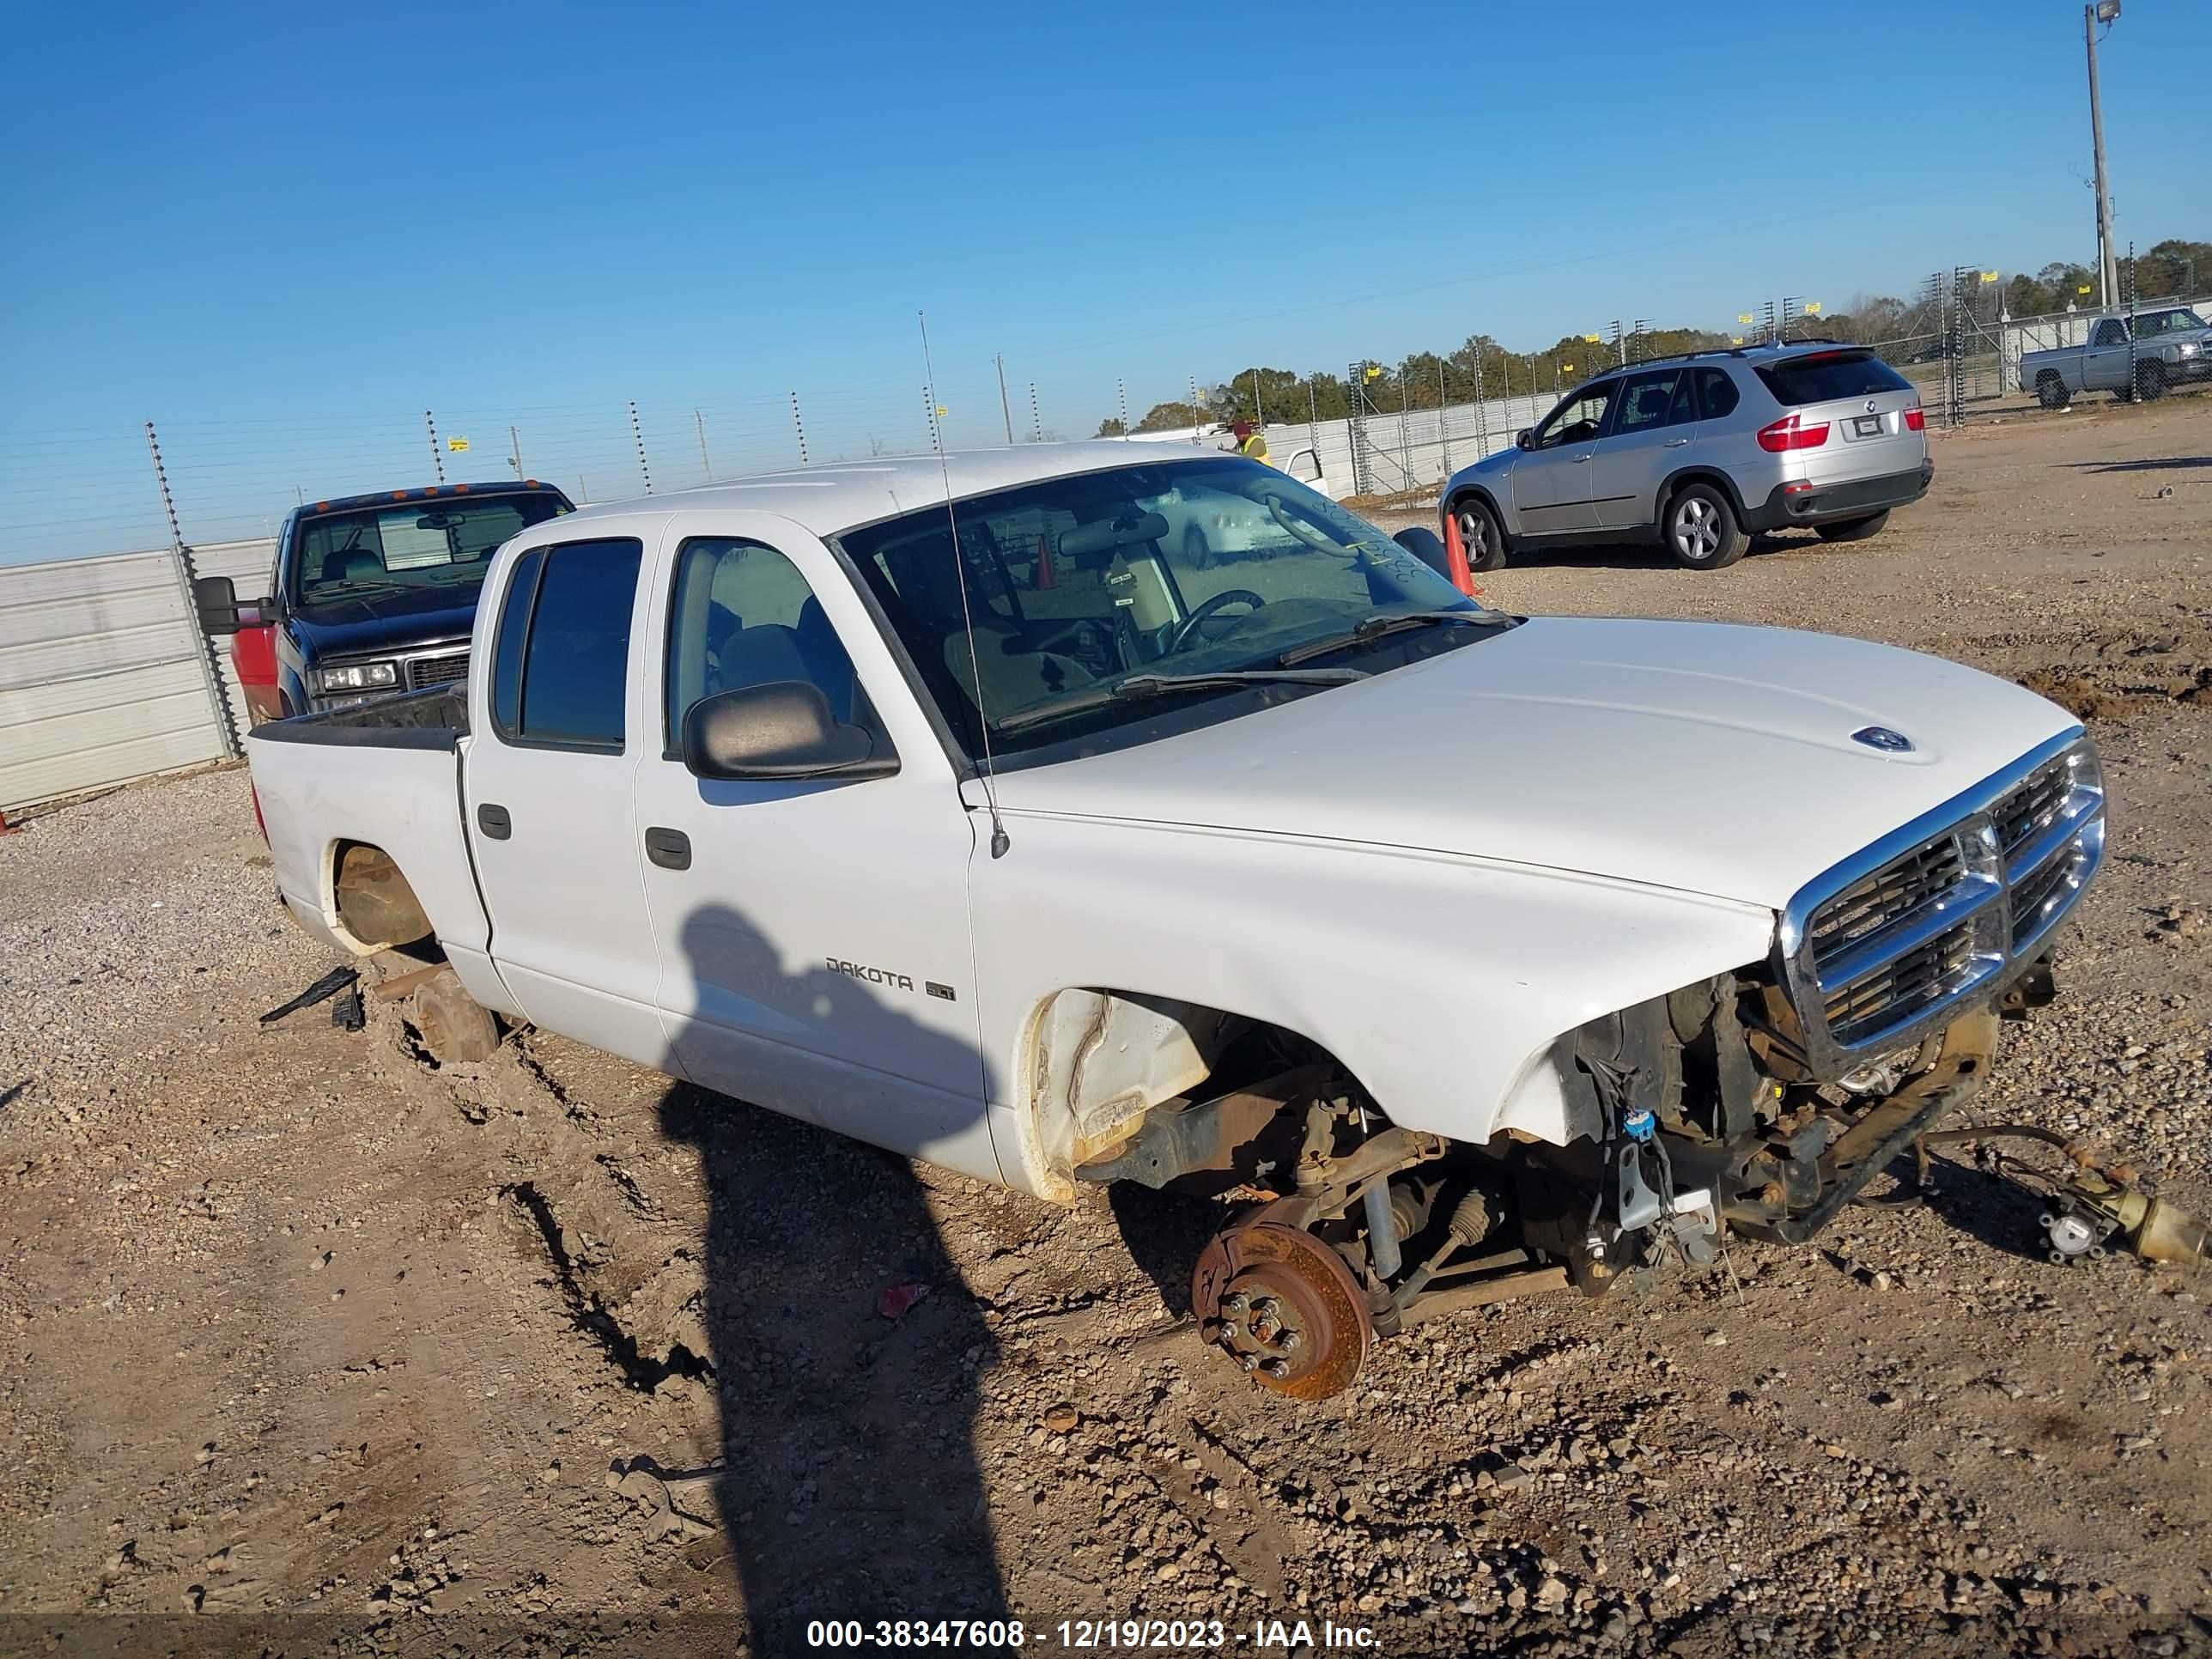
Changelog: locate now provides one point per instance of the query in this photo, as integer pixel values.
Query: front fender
(1439, 981)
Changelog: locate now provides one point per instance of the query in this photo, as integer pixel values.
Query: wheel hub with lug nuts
(1285, 1307)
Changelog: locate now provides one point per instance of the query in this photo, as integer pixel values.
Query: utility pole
(514, 451)
(706, 463)
(2108, 281)
(1005, 409)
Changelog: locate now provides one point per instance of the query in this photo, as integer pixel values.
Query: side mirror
(784, 731)
(1425, 544)
(1521, 438)
(216, 601)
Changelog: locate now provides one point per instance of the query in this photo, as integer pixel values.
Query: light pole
(2105, 12)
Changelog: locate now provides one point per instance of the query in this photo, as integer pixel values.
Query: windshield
(1078, 584)
(2169, 322)
(444, 545)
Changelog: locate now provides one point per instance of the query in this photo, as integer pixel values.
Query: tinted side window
(1579, 419)
(1717, 393)
(574, 646)
(1647, 401)
(2108, 332)
(506, 650)
(742, 615)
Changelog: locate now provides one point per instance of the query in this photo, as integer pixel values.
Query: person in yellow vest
(1250, 441)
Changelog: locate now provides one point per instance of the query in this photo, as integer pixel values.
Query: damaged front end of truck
(1759, 1102)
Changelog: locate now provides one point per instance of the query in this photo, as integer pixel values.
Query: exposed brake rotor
(1285, 1307)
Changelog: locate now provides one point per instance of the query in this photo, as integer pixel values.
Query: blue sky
(281, 233)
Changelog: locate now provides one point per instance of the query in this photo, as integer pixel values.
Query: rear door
(1865, 408)
(1552, 493)
(1652, 432)
(551, 763)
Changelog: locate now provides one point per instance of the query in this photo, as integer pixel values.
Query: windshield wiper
(1168, 685)
(1374, 628)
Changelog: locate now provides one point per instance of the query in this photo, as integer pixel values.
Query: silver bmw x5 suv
(1699, 453)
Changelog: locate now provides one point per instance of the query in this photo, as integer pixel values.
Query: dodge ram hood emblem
(1881, 738)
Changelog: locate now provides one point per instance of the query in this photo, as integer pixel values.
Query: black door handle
(494, 820)
(669, 848)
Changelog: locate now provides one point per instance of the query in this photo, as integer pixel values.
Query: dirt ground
(307, 1345)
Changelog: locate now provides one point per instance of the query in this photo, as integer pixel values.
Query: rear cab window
(1829, 376)
(560, 661)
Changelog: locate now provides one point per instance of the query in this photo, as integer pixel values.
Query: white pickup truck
(942, 804)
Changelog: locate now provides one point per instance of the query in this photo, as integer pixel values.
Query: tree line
(1904, 331)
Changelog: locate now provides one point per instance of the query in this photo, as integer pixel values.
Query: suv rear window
(1827, 376)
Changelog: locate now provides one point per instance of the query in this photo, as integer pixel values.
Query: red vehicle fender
(253, 653)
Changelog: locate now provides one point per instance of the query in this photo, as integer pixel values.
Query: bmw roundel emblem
(1881, 738)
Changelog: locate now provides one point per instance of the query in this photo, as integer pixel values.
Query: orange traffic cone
(1045, 582)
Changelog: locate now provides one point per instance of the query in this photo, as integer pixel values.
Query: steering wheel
(1205, 612)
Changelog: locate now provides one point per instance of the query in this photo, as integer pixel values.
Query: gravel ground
(309, 1345)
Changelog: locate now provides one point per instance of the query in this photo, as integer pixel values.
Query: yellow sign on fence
(457, 445)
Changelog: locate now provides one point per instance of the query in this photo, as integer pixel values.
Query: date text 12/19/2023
(1091, 1635)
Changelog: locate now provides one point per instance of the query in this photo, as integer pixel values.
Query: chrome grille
(2031, 897)
(2033, 806)
(436, 670)
(1873, 902)
(1893, 942)
(1902, 986)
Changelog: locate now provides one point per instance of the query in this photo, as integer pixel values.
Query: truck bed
(385, 774)
(435, 719)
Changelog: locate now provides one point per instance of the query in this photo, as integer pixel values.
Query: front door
(2104, 363)
(813, 936)
(550, 761)
(1552, 478)
(1651, 434)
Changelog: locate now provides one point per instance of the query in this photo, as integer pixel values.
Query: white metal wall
(98, 680)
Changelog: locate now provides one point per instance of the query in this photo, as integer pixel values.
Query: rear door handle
(494, 820)
(669, 848)
(1580, 458)
(1676, 443)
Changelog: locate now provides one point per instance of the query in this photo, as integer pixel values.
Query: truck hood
(1710, 759)
(387, 624)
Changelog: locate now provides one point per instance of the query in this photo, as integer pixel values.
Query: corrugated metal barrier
(99, 679)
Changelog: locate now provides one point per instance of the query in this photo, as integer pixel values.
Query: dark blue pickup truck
(378, 593)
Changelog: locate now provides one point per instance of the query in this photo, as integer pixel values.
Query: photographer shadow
(850, 1486)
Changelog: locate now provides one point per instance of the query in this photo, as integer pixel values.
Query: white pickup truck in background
(1476, 955)
(2139, 354)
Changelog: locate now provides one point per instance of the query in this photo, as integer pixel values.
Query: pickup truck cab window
(1133, 577)
(2111, 332)
(740, 614)
(564, 646)
(2167, 322)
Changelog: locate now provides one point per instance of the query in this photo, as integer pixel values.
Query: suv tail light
(1790, 433)
(1916, 420)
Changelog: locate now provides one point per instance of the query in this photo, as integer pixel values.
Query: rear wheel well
(1690, 475)
(374, 905)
